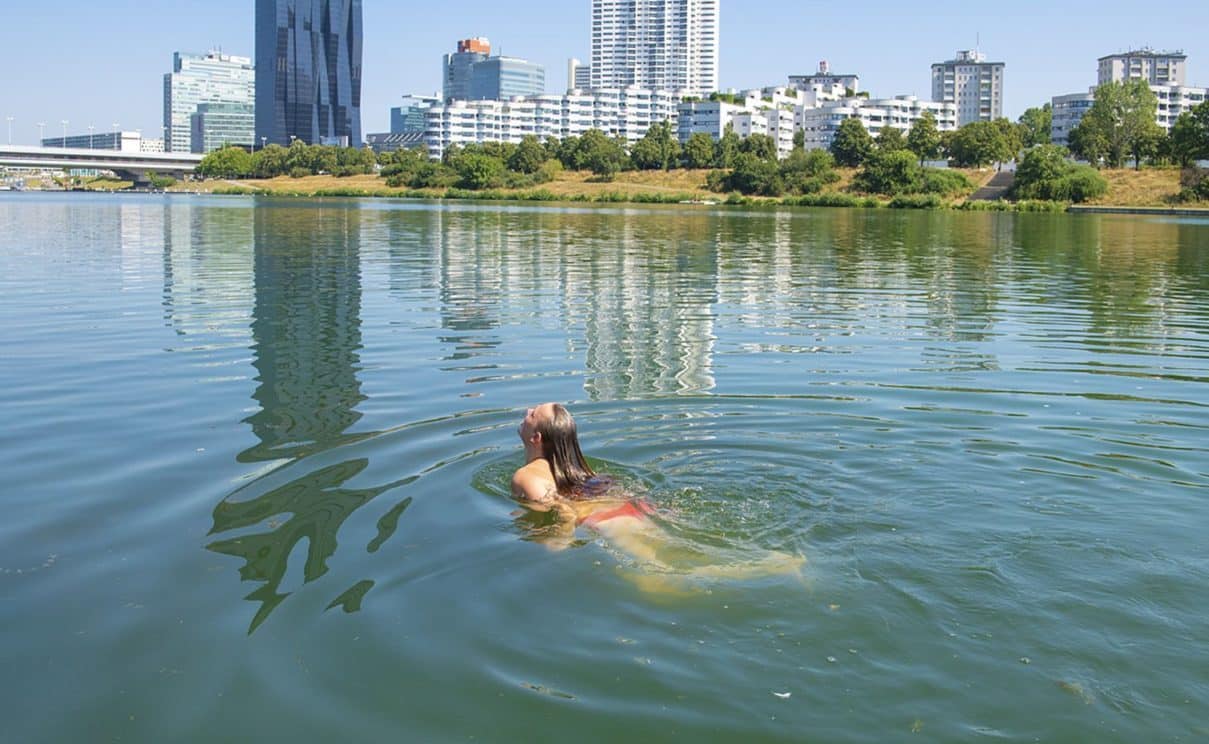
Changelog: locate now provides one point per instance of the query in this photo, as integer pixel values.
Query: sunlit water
(256, 460)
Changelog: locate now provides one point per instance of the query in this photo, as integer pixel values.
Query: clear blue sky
(101, 62)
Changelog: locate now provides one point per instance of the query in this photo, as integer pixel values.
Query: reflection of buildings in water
(206, 269)
(306, 333)
(647, 309)
(306, 330)
(316, 505)
(1121, 267)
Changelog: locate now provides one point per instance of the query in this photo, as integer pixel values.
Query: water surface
(256, 457)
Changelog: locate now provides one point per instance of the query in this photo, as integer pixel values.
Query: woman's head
(550, 429)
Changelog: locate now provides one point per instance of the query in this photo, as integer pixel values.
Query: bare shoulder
(532, 483)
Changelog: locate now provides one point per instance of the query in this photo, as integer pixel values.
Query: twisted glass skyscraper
(308, 71)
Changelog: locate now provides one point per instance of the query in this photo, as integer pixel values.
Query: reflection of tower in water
(306, 330)
(306, 335)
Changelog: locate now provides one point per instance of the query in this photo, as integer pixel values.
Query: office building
(656, 45)
(409, 117)
(457, 67)
(820, 123)
(120, 141)
(501, 78)
(195, 79)
(579, 75)
(1155, 67)
(973, 84)
(308, 71)
(216, 125)
(826, 78)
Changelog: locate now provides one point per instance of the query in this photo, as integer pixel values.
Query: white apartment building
(820, 123)
(626, 113)
(213, 77)
(974, 85)
(817, 112)
(1155, 67)
(825, 77)
(655, 44)
(1173, 100)
(1068, 111)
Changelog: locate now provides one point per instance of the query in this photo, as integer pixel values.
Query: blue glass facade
(502, 78)
(308, 71)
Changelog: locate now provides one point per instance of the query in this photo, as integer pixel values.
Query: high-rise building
(972, 83)
(1155, 67)
(202, 78)
(656, 44)
(410, 116)
(216, 125)
(501, 78)
(308, 71)
(456, 68)
(579, 75)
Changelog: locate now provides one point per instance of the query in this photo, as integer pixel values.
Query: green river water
(256, 457)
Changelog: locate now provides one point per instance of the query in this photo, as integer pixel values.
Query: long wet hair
(560, 448)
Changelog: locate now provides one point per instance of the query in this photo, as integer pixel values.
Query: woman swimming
(557, 478)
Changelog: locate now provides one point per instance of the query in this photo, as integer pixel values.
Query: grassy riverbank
(1127, 188)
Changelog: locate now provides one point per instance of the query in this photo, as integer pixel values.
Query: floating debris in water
(783, 695)
(917, 726)
(542, 689)
(830, 659)
(833, 607)
(50, 561)
(1077, 690)
(1025, 660)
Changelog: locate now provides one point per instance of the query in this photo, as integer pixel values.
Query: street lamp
(64, 123)
(262, 141)
(117, 140)
(41, 133)
(90, 128)
(10, 129)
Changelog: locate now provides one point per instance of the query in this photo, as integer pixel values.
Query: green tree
(1120, 123)
(270, 162)
(852, 143)
(1045, 172)
(658, 148)
(477, 170)
(1189, 137)
(755, 175)
(1034, 125)
(699, 151)
(1007, 142)
(806, 172)
(528, 156)
(890, 172)
(600, 154)
(924, 138)
(799, 139)
(978, 144)
(229, 162)
(760, 145)
(890, 139)
(728, 148)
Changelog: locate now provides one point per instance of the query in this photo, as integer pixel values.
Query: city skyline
(891, 48)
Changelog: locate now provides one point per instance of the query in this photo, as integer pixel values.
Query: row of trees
(299, 159)
(1120, 126)
(973, 145)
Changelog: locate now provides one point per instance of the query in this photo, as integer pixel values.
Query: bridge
(133, 166)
